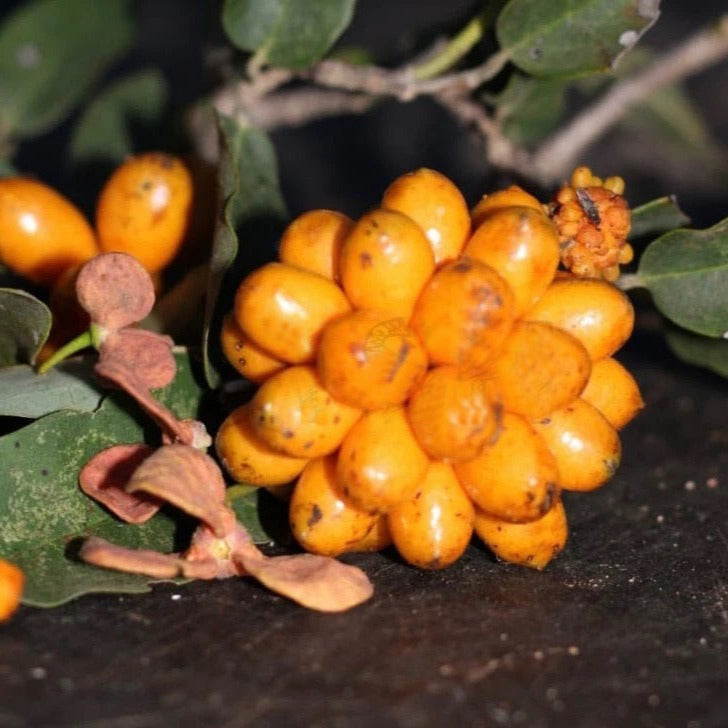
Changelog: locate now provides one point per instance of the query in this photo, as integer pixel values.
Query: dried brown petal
(147, 353)
(123, 376)
(115, 290)
(100, 552)
(105, 476)
(316, 582)
(188, 479)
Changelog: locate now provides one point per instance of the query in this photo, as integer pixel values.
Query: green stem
(455, 49)
(629, 281)
(80, 342)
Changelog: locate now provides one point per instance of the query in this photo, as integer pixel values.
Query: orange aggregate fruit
(41, 232)
(385, 261)
(370, 360)
(426, 373)
(436, 205)
(144, 209)
(313, 241)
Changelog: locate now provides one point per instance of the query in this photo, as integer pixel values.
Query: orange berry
(283, 310)
(614, 392)
(592, 310)
(380, 462)
(436, 205)
(514, 479)
(585, 446)
(531, 544)
(385, 261)
(513, 196)
(313, 242)
(433, 527)
(41, 232)
(255, 364)
(522, 245)
(321, 518)
(144, 209)
(370, 360)
(11, 588)
(294, 414)
(452, 413)
(247, 458)
(540, 369)
(464, 314)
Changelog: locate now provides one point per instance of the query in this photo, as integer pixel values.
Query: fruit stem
(628, 281)
(456, 47)
(80, 342)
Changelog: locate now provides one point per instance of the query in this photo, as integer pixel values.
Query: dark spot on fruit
(308, 445)
(366, 260)
(315, 517)
(552, 491)
(463, 266)
(337, 419)
(288, 434)
(401, 357)
(545, 421)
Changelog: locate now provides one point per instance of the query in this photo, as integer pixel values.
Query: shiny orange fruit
(436, 205)
(41, 232)
(144, 209)
(513, 196)
(11, 589)
(613, 391)
(255, 364)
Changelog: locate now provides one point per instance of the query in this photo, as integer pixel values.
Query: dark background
(629, 627)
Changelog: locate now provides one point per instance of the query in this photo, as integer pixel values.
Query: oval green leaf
(51, 53)
(700, 351)
(288, 33)
(656, 216)
(24, 325)
(572, 37)
(686, 271)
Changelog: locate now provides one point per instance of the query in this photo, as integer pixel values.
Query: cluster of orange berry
(143, 209)
(427, 371)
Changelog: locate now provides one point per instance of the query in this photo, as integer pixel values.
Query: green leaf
(657, 216)
(686, 271)
(245, 503)
(530, 108)
(289, 33)
(699, 350)
(52, 52)
(572, 37)
(7, 169)
(68, 386)
(24, 325)
(251, 199)
(102, 131)
(43, 511)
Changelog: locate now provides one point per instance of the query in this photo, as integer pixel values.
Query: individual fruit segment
(539, 369)
(513, 196)
(453, 413)
(248, 359)
(432, 528)
(593, 221)
(41, 232)
(614, 392)
(385, 262)
(531, 544)
(313, 241)
(514, 479)
(144, 209)
(321, 518)
(11, 589)
(464, 314)
(380, 462)
(585, 446)
(436, 205)
(284, 309)
(370, 360)
(247, 458)
(522, 245)
(293, 413)
(594, 311)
